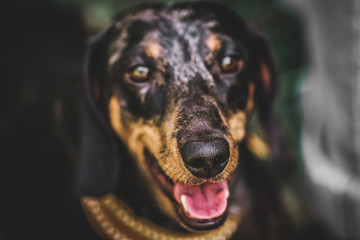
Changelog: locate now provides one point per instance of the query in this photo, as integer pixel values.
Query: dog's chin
(199, 207)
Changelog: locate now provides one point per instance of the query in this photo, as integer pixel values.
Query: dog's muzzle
(204, 206)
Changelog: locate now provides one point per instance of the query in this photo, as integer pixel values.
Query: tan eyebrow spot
(213, 43)
(153, 50)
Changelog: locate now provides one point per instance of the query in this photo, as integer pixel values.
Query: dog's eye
(139, 74)
(231, 64)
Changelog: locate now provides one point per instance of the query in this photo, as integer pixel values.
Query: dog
(178, 127)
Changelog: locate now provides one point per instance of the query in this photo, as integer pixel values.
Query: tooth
(183, 201)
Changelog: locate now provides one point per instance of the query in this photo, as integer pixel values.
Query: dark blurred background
(316, 46)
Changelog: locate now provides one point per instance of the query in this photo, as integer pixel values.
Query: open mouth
(200, 207)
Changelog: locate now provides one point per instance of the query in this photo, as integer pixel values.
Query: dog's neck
(114, 220)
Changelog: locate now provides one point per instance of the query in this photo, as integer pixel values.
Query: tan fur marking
(141, 135)
(153, 50)
(250, 100)
(137, 136)
(213, 42)
(115, 117)
(233, 159)
(237, 125)
(238, 120)
(258, 146)
(265, 76)
(144, 135)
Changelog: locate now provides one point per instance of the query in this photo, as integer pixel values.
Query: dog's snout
(205, 159)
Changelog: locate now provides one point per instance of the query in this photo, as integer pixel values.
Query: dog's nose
(205, 159)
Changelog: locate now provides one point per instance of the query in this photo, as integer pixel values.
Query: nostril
(206, 159)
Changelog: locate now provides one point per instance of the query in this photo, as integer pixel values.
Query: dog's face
(178, 85)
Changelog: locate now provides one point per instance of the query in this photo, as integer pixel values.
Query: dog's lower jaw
(200, 207)
(114, 220)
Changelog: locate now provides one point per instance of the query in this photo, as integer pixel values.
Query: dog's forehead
(175, 38)
(167, 26)
(158, 30)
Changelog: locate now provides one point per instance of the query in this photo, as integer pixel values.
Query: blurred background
(316, 44)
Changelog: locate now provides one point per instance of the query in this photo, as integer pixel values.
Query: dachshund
(178, 127)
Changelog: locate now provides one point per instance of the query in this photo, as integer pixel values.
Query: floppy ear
(265, 92)
(98, 167)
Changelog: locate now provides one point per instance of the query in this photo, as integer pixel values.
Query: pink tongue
(205, 201)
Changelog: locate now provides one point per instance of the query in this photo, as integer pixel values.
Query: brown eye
(231, 64)
(139, 74)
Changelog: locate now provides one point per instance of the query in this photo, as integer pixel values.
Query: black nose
(205, 159)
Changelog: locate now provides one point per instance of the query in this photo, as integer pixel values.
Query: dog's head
(177, 85)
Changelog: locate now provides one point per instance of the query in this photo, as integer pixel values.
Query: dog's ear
(98, 167)
(263, 64)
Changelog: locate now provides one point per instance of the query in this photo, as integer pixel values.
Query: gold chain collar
(113, 219)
